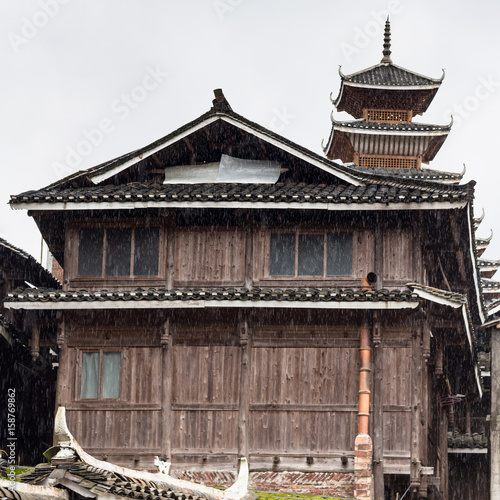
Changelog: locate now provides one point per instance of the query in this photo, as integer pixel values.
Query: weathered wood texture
(209, 256)
(300, 390)
(398, 255)
(110, 429)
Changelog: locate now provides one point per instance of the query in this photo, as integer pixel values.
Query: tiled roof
(29, 263)
(490, 286)
(467, 441)
(102, 482)
(10, 490)
(212, 294)
(385, 189)
(83, 178)
(484, 360)
(76, 470)
(390, 75)
(415, 174)
(457, 298)
(488, 263)
(392, 127)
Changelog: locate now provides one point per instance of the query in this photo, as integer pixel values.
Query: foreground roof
(73, 468)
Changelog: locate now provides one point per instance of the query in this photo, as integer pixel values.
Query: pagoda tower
(384, 99)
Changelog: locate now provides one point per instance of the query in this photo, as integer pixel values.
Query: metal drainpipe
(365, 353)
(364, 371)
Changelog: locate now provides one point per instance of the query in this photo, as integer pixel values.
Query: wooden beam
(416, 400)
(249, 252)
(378, 410)
(244, 405)
(189, 145)
(456, 241)
(166, 382)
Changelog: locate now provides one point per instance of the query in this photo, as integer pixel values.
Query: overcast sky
(85, 81)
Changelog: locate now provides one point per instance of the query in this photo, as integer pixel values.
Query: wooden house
(228, 293)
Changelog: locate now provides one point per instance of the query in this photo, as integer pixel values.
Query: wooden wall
(239, 256)
(289, 390)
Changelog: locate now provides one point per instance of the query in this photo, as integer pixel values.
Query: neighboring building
(26, 366)
(228, 293)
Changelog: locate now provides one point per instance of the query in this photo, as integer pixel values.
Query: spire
(387, 43)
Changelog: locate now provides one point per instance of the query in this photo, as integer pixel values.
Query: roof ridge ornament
(220, 102)
(387, 43)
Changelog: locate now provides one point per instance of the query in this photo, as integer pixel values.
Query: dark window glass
(339, 254)
(90, 375)
(146, 250)
(118, 251)
(311, 251)
(282, 255)
(90, 245)
(110, 384)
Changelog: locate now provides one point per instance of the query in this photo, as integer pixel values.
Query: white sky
(71, 66)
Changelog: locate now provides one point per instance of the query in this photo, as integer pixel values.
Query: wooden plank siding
(398, 257)
(239, 256)
(209, 256)
(302, 389)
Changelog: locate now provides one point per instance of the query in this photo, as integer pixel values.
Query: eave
(261, 298)
(341, 206)
(456, 301)
(196, 304)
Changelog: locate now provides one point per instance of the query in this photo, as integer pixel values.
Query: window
(100, 375)
(118, 251)
(315, 254)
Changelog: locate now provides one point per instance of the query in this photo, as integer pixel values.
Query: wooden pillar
(378, 410)
(495, 415)
(64, 380)
(426, 353)
(249, 252)
(166, 381)
(170, 256)
(244, 406)
(416, 399)
(35, 340)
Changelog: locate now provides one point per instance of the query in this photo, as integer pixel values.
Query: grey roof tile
(390, 75)
(213, 294)
(395, 190)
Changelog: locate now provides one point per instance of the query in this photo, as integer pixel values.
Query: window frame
(73, 241)
(297, 233)
(101, 352)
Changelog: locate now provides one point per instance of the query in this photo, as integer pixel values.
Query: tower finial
(387, 43)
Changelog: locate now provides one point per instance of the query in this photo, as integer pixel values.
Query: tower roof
(386, 85)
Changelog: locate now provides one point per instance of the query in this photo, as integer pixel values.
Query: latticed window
(118, 251)
(387, 115)
(380, 161)
(100, 375)
(317, 254)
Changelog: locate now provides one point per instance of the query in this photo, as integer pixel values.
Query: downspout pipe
(365, 352)
(364, 373)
